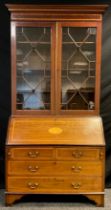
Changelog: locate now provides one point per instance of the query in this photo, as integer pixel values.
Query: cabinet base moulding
(97, 198)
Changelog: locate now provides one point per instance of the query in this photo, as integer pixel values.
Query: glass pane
(78, 68)
(33, 68)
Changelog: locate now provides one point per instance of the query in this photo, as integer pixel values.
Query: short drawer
(52, 168)
(54, 185)
(32, 153)
(79, 153)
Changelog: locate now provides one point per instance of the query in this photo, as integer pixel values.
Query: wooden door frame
(14, 25)
(97, 70)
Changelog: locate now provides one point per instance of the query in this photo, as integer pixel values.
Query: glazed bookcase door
(34, 68)
(80, 66)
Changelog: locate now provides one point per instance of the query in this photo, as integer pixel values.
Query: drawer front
(54, 185)
(55, 168)
(79, 153)
(32, 153)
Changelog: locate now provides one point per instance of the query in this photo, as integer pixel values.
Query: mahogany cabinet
(55, 142)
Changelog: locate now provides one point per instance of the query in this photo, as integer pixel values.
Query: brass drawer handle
(76, 168)
(32, 168)
(9, 154)
(33, 154)
(33, 185)
(76, 185)
(101, 155)
(77, 154)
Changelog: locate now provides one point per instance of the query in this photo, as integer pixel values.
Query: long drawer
(51, 153)
(54, 185)
(55, 168)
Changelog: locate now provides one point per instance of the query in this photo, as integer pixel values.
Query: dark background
(5, 80)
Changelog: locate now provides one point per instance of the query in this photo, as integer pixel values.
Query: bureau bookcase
(55, 142)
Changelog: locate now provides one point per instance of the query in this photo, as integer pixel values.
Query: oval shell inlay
(55, 130)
